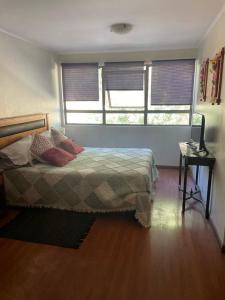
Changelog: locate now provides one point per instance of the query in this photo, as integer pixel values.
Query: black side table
(193, 158)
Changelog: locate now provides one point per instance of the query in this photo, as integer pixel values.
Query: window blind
(80, 82)
(124, 76)
(172, 82)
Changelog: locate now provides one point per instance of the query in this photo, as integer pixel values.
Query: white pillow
(18, 152)
(57, 136)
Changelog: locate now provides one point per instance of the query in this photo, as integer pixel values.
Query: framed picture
(204, 79)
(217, 76)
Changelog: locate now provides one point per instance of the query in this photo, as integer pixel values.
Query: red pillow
(57, 157)
(69, 146)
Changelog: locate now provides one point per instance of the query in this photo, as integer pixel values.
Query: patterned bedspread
(98, 180)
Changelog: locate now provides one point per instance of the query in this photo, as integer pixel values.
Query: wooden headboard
(15, 128)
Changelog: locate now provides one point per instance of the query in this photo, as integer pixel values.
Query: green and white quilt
(98, 180)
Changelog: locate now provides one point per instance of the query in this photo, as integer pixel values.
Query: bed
(98, 180)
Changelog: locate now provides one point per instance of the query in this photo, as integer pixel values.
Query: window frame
(145, 110)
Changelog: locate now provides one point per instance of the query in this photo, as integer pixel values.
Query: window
(170, 92)
(129, 93)
(82, 94)
(124, 93)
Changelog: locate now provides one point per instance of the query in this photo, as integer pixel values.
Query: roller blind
(172, 82)
(80, 82)
(124, 76)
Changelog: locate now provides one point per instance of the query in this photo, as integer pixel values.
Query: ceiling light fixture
(121, 28)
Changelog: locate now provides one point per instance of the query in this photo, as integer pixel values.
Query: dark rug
(49, 226)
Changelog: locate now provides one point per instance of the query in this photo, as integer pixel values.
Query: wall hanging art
(217, 76)
(204, 79)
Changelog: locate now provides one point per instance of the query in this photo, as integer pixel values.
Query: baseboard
(167, 167)
(221, 245)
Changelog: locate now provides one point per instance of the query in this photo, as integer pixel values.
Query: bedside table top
(193, 156)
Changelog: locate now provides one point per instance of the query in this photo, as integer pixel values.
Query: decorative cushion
(57, 137)
(69, 146)
(18, 152)
(48, 133)
(57, 157)
(43, 150)
(60, 140)
(40, 145)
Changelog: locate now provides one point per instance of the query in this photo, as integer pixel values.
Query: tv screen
(197, 129)
(212, 125)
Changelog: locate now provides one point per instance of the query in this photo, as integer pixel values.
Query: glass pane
(88, 105)
(124, 100)
(196, 120)
(84, 118)
(84, 105)
(169, 107)
(125, 119)
(168, 119)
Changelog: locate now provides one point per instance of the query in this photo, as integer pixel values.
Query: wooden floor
(178, 258)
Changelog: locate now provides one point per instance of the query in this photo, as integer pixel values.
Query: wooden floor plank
(178, 258)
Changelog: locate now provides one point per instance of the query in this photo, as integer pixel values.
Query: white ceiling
(83, 25)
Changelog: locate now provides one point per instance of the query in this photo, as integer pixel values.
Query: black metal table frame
(195, 161)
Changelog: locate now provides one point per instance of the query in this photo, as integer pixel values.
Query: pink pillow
(43, 150)
(57, 157)
(69, 146)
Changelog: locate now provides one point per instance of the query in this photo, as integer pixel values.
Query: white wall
(163, 140)
(212, 43)
(28, 80)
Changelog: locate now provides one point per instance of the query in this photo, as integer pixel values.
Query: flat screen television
(212, 124)
(197, 130)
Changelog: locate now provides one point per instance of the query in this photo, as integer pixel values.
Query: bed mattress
(98, 180)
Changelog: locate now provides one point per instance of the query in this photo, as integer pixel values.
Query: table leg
(196, 175)
(184, 187)
(208, 193)
(180, 170)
